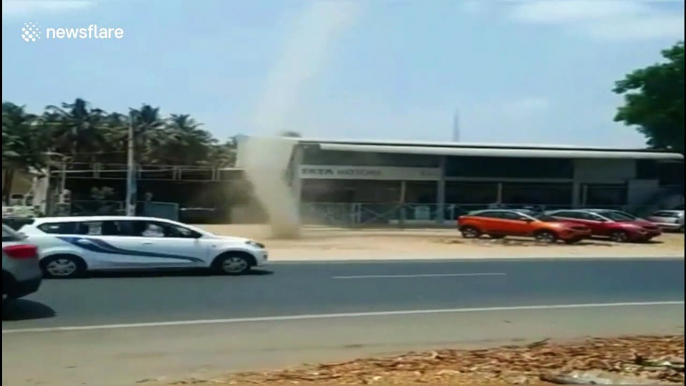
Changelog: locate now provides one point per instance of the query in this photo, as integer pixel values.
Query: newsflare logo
(32, 32)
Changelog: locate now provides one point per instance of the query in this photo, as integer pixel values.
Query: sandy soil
(320, 243)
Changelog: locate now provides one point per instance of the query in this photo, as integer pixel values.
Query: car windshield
(8, 234)
(618, 216)
(545, 218)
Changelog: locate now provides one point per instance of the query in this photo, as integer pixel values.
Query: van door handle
(147, 243)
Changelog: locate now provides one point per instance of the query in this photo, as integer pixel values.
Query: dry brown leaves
(656, 358)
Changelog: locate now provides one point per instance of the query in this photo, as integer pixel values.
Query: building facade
(440, 174)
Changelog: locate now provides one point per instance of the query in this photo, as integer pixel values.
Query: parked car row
(570, 226)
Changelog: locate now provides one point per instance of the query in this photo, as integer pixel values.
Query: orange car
(499, 224)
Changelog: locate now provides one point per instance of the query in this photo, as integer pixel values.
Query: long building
(445, 173)
(375, 178)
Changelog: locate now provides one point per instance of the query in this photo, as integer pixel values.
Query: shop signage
(368, 173)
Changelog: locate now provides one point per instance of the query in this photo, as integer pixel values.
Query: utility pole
(131, 191)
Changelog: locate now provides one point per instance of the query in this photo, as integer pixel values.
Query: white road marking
(417, 276)
(337, 316)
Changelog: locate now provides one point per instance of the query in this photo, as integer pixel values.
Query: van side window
(102, 228)
(60, 228)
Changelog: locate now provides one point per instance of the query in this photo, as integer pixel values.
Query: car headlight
(255, 244)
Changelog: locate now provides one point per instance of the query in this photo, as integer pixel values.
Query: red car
(615, 225)
(499, 224)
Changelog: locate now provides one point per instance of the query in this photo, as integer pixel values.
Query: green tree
(23, 145)
(223, 155)
(82, 133)
(77, 129)
(654, 100)
(149, 133)
(188, 143)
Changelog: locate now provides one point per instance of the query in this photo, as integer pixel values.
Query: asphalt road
(126, 329)
(334, 288)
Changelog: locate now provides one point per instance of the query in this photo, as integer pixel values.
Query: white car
(672, 220)
(72, 246)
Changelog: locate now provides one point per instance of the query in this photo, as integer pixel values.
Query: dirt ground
(321, 243)
(630, 360)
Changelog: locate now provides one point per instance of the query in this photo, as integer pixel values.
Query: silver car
(21, 272)
(669, 219)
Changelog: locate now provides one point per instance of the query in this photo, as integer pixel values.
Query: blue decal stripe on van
(100, 246)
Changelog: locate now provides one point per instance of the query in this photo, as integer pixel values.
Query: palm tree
(148, 131)
(224, 155)
(23, 145)
(188, 143)
(77, 129)
(116, 131)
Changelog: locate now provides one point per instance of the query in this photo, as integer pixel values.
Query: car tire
(63, 267)
(470, 232)
(619, 237)
(546, 237)
(234, 264)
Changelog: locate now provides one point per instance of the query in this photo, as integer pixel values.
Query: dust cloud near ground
(265, 165)
(326, 243)
(306, 47)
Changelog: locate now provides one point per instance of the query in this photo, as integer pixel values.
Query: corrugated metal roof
(571, 153)
(488, 149)
(471, 145)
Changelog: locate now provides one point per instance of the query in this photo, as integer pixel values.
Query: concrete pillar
(499, 200)
(577, 195)
(440, 196)
(296, 181)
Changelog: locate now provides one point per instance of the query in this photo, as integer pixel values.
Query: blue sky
(519, 71)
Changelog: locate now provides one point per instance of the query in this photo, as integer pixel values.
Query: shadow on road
(174, 273)
(22, 309)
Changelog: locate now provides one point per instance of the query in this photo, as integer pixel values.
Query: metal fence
(339, 214)
(165, 210)
(416, 215)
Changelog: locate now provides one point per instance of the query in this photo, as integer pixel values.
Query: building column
(402, 201)
(296, 180)
(440, 195)
(499, 200)
(576, 195)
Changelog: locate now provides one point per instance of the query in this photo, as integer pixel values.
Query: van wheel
(234, 264)
(619, 237)
(546, 237)
(63, 267)
(471, 233)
